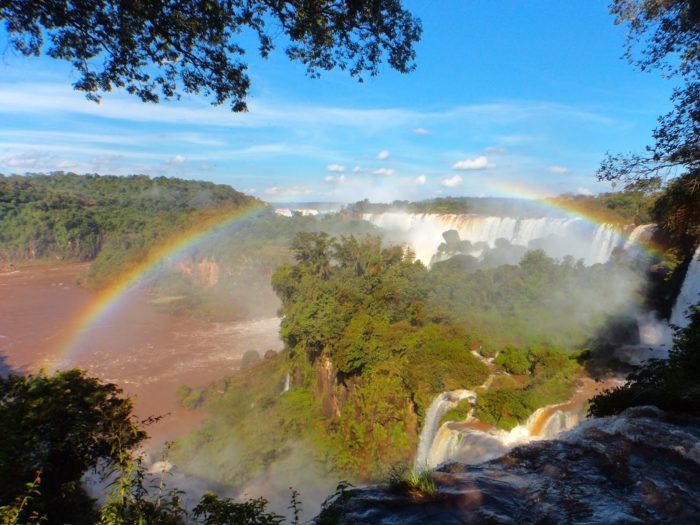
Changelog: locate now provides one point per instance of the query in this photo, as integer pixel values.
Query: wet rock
(640, 467)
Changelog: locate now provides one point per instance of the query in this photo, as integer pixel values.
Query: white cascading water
(424, 233)
(640, 234)
(689, 294)
(460, 442)
(438, 408)
(287, 383)
(655, 335)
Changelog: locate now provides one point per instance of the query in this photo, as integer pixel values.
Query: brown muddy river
(145, 351)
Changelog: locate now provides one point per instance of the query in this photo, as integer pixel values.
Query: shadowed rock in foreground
(640, 467)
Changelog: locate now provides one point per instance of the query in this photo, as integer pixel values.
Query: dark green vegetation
(415, 482)
(550, 375)
(58, 428)
(665, 36)
(623, 208)
(113, 220)
(372, 336)
(162, 49)
(539, 301)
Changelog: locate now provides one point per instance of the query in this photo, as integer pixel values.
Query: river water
(145, 351)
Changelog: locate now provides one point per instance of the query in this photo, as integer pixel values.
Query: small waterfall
(640, 234)
(465, 443)
(438, 408)
(557, 236)
(287, 383)
(605, 240)
(690, 292)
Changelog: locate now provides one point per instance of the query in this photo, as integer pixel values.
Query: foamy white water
(689, 294)
(566, 236)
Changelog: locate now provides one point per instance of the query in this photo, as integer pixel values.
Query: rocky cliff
(640, 467)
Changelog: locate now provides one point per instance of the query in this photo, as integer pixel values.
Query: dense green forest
(372, 335)
(112, 220)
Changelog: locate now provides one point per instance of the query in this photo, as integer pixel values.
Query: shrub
(513, 360)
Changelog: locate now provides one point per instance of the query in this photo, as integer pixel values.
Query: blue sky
(506, 93)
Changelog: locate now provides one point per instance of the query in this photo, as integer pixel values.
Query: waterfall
(438, 408)
(466, 443)
(690, 292)
(557, 236)
(287, 383)
(640, 233)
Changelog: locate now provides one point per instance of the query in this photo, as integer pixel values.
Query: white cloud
(357, 169)
(559, 170)
(584, 191)
(286, 192)
(178, 159)
(421, 179)
(335, 168)
(383, 155)
(477, 163)
(35, 98)
(451, 182)
(387, 172)
(421, 131)
(332, 180)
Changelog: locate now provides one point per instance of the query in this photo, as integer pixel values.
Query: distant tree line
(69, 217)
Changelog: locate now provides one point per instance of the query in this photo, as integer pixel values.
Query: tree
(158, 49)
(61, 426)
(663, 35)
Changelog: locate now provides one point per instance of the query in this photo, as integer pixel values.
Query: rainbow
(568, 207)
(207, 224)
(213, 222)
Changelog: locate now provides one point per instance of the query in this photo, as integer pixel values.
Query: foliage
(372, 336)
(212, 510)
(133, 501)
(677, 212)
(249, 359)
(620, 207)
(672, 385)
(458, 413)
(252, 426)
(67, 423)
(13, 514)
(411, 481)
(162, 49)
(513, 360)
(540, 300)
(190, 398)
(663, 35)
(61, 425)
(113, 219)
(551, 376)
